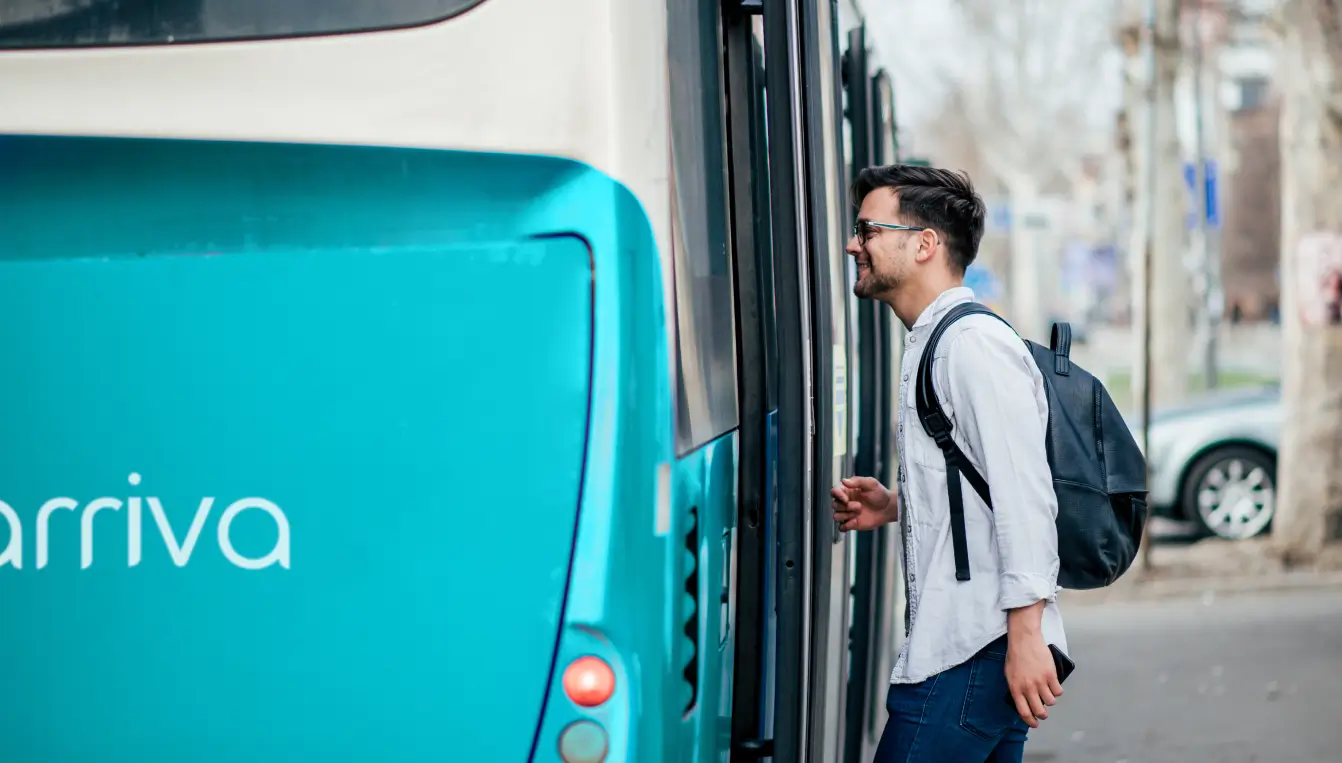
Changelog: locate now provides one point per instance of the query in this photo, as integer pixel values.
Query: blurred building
(1251, 245)
(1240, 117)
(1251, 242)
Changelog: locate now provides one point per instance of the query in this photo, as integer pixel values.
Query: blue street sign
(984, 283)
(1213, 209)
(1209, 193)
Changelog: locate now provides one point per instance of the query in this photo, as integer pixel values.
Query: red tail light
(589, 681)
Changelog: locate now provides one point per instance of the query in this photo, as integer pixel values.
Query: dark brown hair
(939, 199)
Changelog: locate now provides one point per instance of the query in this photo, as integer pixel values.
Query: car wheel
(1232, 492)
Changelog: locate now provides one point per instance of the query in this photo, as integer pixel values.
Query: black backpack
(1099, 473)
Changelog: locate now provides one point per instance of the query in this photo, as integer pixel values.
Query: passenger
(971, 643)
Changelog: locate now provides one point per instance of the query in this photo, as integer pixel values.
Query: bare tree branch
(1031, 80)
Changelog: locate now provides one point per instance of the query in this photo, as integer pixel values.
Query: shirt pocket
(921, 448)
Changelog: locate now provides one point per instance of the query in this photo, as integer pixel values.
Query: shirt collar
(944, 301)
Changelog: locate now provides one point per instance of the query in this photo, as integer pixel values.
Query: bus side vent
(691, 630)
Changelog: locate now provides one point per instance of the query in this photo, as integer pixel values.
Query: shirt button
(906, 377)
(913, 339)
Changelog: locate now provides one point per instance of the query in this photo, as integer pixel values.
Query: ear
(927, 245)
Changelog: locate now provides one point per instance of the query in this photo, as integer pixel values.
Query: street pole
(1215, 289)
(1149, 180)
(1200, 201)
(1207, 65)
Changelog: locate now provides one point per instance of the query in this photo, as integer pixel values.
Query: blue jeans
(957, 716)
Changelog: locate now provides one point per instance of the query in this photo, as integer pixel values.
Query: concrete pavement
(1184, 565)
(1243, 679)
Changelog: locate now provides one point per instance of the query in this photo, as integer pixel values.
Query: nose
(854, 246)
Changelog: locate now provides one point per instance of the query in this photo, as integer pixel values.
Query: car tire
(1231, 492)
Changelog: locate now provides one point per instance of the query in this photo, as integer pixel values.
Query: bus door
(825, 176)
(805, 665)
(757, 353)
(792, 222)
(891, 601)
(872, 421)
(878, 597)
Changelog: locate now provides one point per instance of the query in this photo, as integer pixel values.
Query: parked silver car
(1214, 461)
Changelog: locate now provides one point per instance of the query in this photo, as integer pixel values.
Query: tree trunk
(1171, 286)
(1310, 459)
(1132, 144)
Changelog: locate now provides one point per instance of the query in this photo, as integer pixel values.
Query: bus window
(79, 23)
(706, 404)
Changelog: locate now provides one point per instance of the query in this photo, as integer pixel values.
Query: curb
(1201, 586)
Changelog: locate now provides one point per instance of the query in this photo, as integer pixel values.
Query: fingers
(1054, 687)
(847, 514)
(846, 511)
(1039, 702)
(1032, 702)
(864, 484)
(851, 500)
(1023, 709)
(839, 499)
(844, 518)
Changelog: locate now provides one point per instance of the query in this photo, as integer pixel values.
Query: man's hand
(862, 503)
(1030, 672)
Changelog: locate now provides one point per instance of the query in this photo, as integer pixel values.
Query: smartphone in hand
(1061, 663)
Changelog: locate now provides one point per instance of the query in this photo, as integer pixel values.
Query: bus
(439, 380)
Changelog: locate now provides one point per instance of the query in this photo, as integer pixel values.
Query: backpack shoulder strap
(938, 427)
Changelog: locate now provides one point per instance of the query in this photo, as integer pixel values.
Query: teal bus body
(316, 450)
(439, 378)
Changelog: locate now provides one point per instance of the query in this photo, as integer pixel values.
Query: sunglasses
(865, 229)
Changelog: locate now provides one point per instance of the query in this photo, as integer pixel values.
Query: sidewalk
(1210, 568)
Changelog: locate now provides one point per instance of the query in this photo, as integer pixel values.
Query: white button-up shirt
(993, 394)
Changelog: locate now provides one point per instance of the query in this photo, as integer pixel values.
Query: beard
(871, 284)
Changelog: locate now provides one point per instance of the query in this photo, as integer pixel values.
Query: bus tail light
(583, 742)
(589, 681)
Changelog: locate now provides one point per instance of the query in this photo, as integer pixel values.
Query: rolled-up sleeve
(1002, 414)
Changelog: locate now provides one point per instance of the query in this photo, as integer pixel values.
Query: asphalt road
(1232, 679)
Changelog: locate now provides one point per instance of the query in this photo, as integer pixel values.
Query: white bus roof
(570, 79)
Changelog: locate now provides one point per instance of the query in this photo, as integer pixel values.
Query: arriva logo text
(12, 554)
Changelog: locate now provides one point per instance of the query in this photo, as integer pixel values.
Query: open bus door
(890, 595)
(790, 208)
(795, 308)
(822, 117)
(872, 422)
(789, 693)
(757, 350)
(878, 596)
